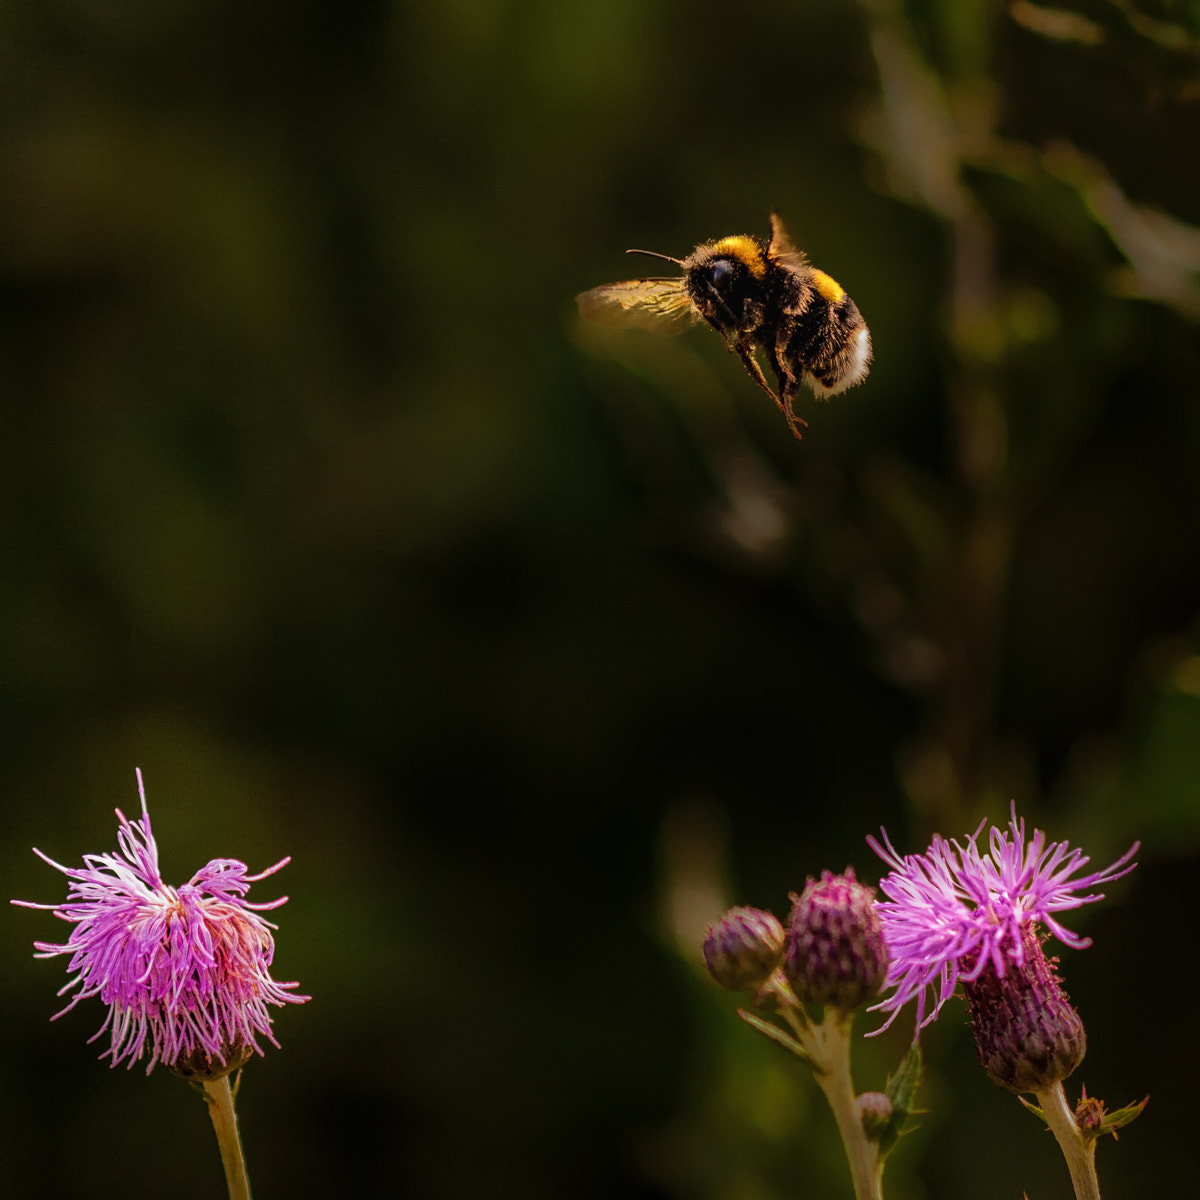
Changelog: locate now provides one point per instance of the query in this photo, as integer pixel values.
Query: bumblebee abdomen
(828, 344)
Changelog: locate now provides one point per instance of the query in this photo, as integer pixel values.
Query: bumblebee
(754, 293)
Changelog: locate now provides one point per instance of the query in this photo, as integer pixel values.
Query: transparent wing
(658, 304)
(782, 250)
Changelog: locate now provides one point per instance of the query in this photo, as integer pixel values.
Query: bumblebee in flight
(753, 292)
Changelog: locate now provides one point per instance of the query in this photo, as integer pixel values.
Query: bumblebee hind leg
(786, 405)
(745, 351)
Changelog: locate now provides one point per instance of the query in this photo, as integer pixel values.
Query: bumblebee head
(722, 276)
(742, 252)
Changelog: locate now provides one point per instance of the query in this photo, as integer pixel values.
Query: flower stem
(224, 1118)
(827, 1048)
(1078, 1149)
(832, 1061)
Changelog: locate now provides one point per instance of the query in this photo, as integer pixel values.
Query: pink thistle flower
(184, 971)
(954, 910)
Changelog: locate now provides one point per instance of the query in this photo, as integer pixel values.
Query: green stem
(826, 1046)
(831, 1061)
(224, 1118)
(1078, 1149)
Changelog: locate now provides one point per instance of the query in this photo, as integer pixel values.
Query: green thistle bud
(875, 1111)
(1094, 1119)
(836, 955)
(743, 948)
(1090, 1114)
(1027, 1034)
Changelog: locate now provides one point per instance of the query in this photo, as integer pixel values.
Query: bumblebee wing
(781, 248)
(658, 304)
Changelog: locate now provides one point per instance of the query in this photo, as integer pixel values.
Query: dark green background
(317, 505)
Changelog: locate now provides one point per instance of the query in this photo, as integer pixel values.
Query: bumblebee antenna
(655, 254)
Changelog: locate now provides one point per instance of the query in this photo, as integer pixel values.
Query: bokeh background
(535, 645)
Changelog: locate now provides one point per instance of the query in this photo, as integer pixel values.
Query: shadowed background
(536, 645)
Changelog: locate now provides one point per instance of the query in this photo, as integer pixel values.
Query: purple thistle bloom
(953, 910)
(185, 969)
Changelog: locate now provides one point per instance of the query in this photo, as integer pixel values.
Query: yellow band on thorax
(746, 250)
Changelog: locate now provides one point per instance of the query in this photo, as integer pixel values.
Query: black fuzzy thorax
(728, 294)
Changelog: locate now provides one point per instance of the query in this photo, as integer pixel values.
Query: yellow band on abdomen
(828, 286)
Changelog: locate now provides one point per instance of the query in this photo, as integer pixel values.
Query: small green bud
(836, 955)
(1090, 1114)
(1093, 1117)
(743, 948)
(875, 1111)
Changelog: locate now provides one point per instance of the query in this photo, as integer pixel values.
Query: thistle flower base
(203, 1067)
(1027, 1034)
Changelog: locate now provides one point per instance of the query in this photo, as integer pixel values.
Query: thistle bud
(836, 955)
(1027, 1034)
(875, 1111)
(743, 948)
(1094, 1119)
(1090, 1114)
(835, 951)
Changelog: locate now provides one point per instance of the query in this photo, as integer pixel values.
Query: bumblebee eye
(721, 269)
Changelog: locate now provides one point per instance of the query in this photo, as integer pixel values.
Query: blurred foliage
(533, 647)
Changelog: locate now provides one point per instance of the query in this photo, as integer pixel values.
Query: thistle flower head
(185, 971)
(956, 911)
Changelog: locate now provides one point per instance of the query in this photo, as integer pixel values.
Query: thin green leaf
(772, 1031)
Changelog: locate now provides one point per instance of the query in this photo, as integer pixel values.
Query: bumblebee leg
(745, 351)
(794, 419)
(789, 385)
